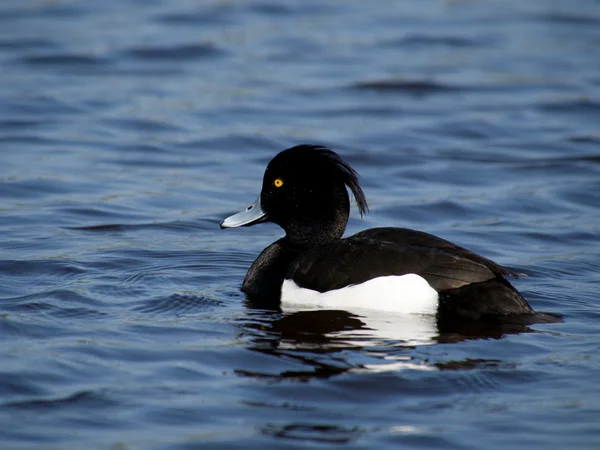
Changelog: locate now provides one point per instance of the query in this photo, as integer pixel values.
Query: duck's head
(304, 192)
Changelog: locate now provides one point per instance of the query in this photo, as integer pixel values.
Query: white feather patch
(405, 294)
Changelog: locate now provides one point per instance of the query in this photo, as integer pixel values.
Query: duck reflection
(331, 342)
(356, 327)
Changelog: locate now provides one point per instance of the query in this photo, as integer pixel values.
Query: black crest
(336, 165)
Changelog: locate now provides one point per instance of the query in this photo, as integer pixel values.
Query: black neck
(321, 224)
(262, 284)
(316, 233)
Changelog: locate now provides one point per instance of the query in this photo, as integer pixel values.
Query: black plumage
(304, 191)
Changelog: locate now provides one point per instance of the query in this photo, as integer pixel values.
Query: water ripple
(65, 60)
(176, 304)
(57, 303)
(180, 52)
(84, 399)
(414, 87)
(457, 41)
(327, 434)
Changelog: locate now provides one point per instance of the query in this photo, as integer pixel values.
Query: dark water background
(130, 129)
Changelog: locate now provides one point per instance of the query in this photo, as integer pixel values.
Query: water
(130, 129)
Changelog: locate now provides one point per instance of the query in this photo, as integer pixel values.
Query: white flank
(404, 294)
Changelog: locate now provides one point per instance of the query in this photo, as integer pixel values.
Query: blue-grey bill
(251, 215)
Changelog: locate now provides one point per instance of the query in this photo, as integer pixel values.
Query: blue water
(130, 129)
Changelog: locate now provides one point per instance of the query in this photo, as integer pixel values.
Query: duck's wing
(391, 251)
(470, 286)
(407, 237)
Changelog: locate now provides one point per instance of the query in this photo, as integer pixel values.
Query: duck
(396, 270)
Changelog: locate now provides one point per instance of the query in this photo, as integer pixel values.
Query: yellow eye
(278, 182)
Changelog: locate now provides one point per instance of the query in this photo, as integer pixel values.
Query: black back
(391, 251)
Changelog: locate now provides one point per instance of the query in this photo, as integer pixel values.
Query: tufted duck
(390, 269)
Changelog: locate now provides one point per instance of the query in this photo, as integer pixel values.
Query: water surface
(129, 130)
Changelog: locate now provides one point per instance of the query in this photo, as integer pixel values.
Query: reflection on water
(320, 339)
(327, 434)
(364, 326)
